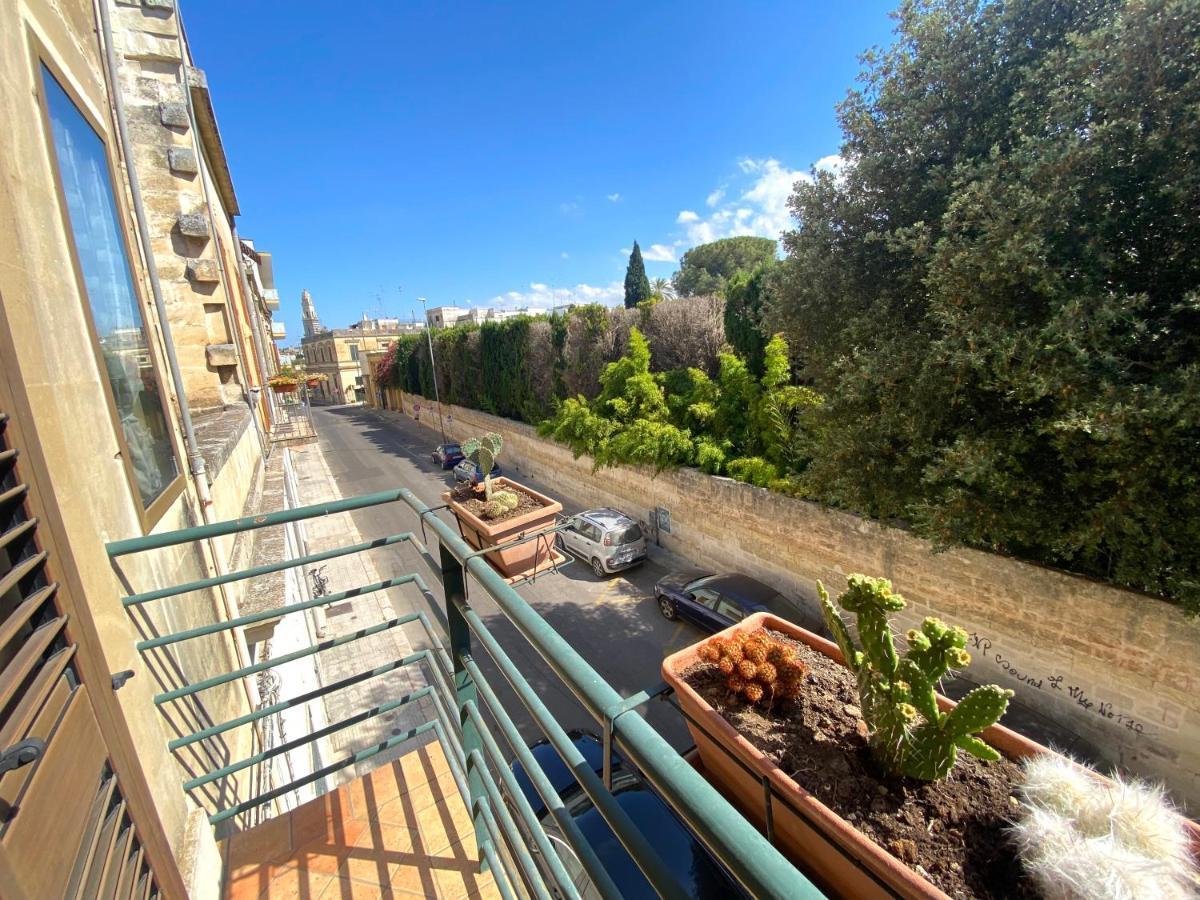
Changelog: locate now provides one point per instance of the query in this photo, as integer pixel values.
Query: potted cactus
(500, 511)
(861, 754)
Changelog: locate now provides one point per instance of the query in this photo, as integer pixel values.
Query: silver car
(606, 538)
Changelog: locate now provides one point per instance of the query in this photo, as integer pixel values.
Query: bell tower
(308, 313)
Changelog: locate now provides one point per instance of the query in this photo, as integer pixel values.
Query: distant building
(449, 316)
(336, 353)
(308, 314)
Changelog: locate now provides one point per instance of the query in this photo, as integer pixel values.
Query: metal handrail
(729, 836)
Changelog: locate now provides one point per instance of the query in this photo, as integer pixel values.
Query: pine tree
(637, 285)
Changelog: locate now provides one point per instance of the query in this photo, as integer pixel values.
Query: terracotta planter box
(818, 840)
(524, 559)
(312, 382)
(284, 388)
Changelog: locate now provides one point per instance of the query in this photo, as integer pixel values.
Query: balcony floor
(399, 831)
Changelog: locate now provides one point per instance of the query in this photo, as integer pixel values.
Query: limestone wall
(1118, 668)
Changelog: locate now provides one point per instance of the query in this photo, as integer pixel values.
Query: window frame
(148, 515)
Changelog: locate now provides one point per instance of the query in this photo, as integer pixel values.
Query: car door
(588, 538)
(570, 535)
(702, 608)
(729, 612)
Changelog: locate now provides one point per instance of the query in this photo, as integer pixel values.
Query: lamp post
(433, 364)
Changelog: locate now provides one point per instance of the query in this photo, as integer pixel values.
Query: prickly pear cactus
(485, 451)
(502, 502)
(898, 695)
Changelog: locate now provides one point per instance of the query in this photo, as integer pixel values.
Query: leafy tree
(628, 422)
(1000, 295)
(745, 297)
(706, 268)
(637, 285)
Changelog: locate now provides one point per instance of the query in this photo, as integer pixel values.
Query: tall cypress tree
(637, 285)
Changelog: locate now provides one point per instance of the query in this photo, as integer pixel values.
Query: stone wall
(1120, 669)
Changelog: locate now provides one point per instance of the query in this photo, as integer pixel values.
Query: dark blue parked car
(698, 872)
(468, 470)
(715, 602)
(447, 455)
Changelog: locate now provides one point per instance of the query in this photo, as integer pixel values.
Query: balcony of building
(452, 801)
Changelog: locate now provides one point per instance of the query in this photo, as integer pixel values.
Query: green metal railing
(513, 842)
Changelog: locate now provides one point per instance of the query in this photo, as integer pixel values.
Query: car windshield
(627, 535)
(451, 448)
(698, 583)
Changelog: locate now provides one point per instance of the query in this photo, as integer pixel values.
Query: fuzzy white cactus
(1083, 839)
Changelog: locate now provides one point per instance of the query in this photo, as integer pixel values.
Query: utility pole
(433, 363)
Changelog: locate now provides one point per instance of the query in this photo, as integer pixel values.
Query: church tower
(308, 312)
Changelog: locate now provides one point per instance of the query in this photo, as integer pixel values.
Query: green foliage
(909, 735)
(706, 268)
(485, 451)
(999, 296)
(753, 470)
(745, 298)
(637, 285)
(502, 354)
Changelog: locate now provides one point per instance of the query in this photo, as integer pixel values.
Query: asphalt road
(613, 623)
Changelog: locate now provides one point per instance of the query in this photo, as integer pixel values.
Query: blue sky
(474, 153)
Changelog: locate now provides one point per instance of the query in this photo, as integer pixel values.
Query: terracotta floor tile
(348, 889)
(444, 824)
(407, 809)
(297, 884)
(331, 822)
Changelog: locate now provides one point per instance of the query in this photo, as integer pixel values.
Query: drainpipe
(195, 459)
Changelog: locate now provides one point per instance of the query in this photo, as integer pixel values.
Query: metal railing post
(454, 591)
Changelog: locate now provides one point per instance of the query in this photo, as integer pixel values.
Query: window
(706, 597)
(731, 611)
(108, 285)
(590, 531)
(354, 352)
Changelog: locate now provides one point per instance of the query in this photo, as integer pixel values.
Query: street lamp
(433, 364)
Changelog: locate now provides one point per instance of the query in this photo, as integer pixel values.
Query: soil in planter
(473, 501)
(953, 831)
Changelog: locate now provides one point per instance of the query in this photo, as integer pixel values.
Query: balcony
(270, 298)
(436, 808)
(278, 331)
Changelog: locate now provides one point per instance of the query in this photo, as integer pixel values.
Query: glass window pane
(108, 283)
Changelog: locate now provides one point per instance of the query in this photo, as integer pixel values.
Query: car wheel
(666, 607)
(598, 567)
(559, 544)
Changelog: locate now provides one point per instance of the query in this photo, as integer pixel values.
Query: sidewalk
(317, 485)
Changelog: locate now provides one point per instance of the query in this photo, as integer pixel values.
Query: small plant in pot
(283, 383)
(870, 792)
(504, 516)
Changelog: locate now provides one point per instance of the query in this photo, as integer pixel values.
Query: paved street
(613, 623)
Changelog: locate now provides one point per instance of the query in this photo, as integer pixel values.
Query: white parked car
(606, 538)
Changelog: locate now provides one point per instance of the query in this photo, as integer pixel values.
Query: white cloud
(613, 198)
(565, 255)
(756, 204)
(834, 164)
(543, 296)
(658, 253)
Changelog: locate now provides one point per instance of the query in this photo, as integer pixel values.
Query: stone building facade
(337, 353)
(134, 340)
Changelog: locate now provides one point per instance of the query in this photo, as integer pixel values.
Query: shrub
(753, 470)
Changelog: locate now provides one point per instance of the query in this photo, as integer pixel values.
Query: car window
(628, 535)
(452, 448)
(589, 531)
(730, 610)
(706, 597)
